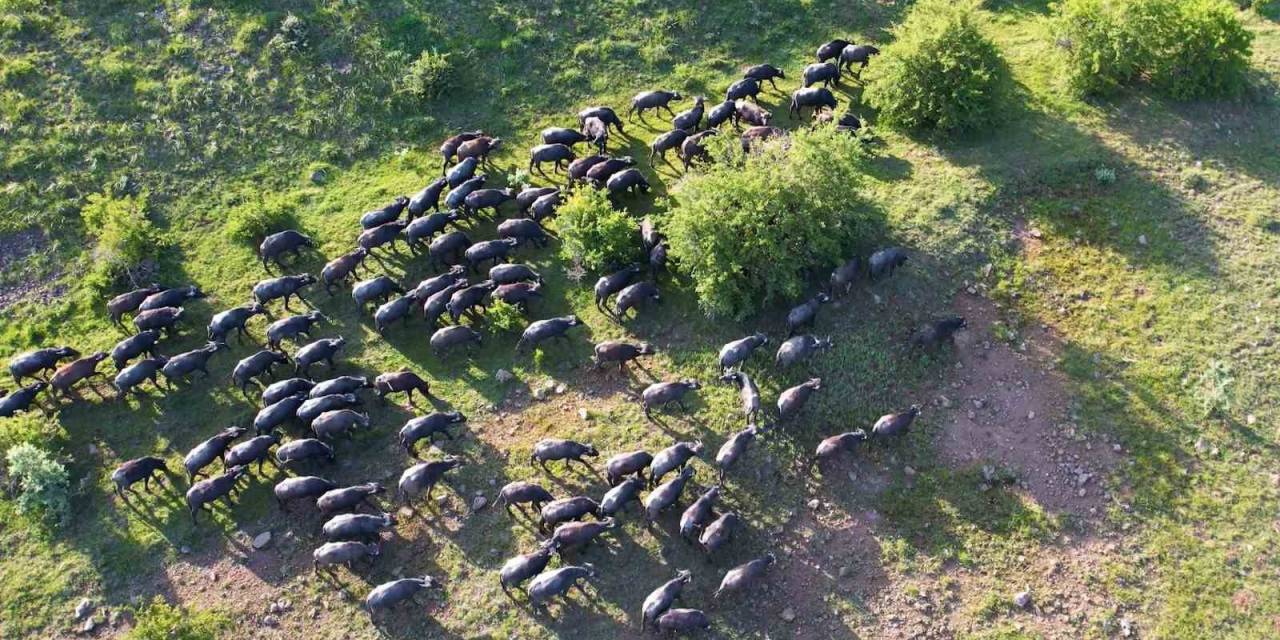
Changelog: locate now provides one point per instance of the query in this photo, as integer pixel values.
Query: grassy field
(1116, 260)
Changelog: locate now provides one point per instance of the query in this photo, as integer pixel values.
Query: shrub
(292, 35)
(505, 317)
(748, 231)
(252, 221)
(940, 72)
(162, 621)
(43, 483)
(126, 239)
(594, 234)
(1185, 48)
(1201, 50)
(428, 77)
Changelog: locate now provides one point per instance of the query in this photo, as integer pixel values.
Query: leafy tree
(43, 483)
(749, 229)
(1185, 48)
(594, 234)
(940, 72)
(126, 239)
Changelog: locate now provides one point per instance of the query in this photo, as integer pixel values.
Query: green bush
(428, 77)
(940, 72)
(162, 621)
(1184, 48)
(749, 231)
(1203, 51)
(43, 483)
(292, 35)
(595, 235)
(251, 221)
(126, 239)
(505, 317)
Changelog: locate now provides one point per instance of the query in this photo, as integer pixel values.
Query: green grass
(196, 104)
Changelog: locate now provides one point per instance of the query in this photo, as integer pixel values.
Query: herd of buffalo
(330, 408)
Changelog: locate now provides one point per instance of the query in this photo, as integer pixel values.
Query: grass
(1160, 282)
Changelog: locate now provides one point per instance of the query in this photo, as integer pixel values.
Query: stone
(274, 608)
(560, 388)
(270, 621)
(503, 376)
(1022, 599)
(909, 471)
(261, 540)
(1126, 627)
(479, 503)
(788, 615)
(184, 550)
(1142, 239)
(814, 504)
(84, 609)
(583, 414)
(88, 626)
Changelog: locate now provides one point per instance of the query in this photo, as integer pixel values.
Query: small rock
(88, 626)
(1126, 627)
(315, 613)
(405, 512)
(1082, 493)
(270, 621)
(184, 550)
(814, 504)
(1031, 415)
(1022, 599)
(262, 540)
(788, 615)
(479, 503)
(560, 388)
(1142, 240)
(274, 608)
(844, 572)
(84, 609)
(909, 471)
(503, 376)
(944, 401)
(583, 414)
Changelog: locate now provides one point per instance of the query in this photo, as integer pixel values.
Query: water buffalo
(662, 394)
(894, 425)
(277, 244)
(763, 72)
(234, 319)
(817, 98)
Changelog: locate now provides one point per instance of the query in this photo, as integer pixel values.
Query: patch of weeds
(991, 606)
(427, 77)
(504, 317)
(43, 484)
(1214, 390)
(1105, 175)
(291, 36)
(252, 221)
(162, 621)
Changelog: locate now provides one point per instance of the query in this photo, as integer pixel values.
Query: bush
(940, 72)
(252, 221)
(162, 621)
(595, 235)
(1185, 48)
(505, 317)
(126, 239)
(1201, 51)
(749, 231)
(427, 77)
(43, 483)
(292, 35)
